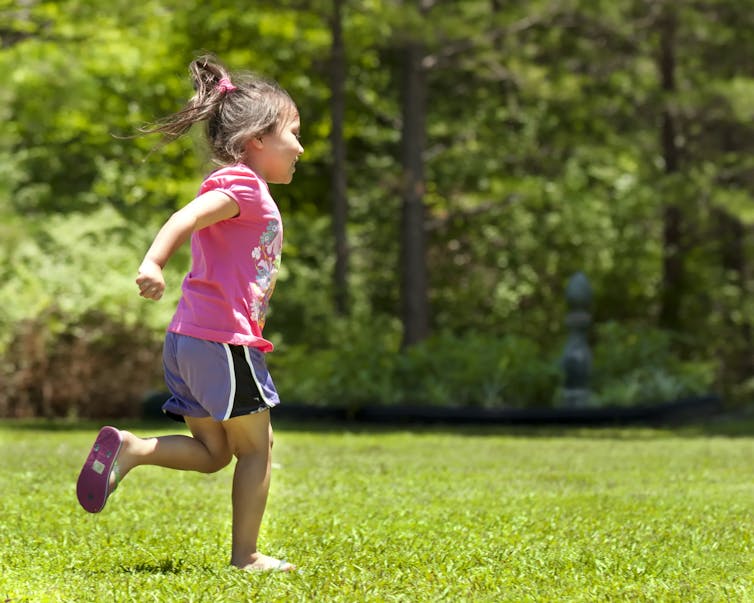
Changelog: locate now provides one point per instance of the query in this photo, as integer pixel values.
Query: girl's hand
(150, 280)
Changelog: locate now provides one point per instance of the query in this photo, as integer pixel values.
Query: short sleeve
(240, 184)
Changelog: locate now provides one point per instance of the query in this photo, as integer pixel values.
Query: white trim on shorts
(232, 380)
(254, 376)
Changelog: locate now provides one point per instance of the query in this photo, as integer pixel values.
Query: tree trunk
(731, 233)
(339, 182)
(415, 304)
(673, 264)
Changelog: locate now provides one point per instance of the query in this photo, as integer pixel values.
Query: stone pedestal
(577, 356)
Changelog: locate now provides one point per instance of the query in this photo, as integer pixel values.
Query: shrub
(97, 368)
(75, 337)
(478, 370)
(356, 365)
(639, 366)
(70, 266)
(365, 366)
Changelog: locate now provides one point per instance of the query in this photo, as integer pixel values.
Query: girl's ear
(256, 142)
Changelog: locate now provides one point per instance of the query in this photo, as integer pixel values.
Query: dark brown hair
(256, 106)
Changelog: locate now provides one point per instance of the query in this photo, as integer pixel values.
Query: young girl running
(214, 349)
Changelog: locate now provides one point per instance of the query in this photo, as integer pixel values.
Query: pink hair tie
(225, 85)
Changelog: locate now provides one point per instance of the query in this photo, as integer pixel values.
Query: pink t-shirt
(234, 265)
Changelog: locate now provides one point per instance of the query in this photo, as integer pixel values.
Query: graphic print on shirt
(267, 260)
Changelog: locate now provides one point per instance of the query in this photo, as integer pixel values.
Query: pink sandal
(93, 486)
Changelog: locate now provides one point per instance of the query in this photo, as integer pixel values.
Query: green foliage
(354, 365)
(639, 366)
(543, 157)
(479, 370)
(75, 337)
(77, 264)
(424, 516)
(362, 364)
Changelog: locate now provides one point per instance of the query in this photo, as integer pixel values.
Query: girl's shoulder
(233, 176)
(237, 171)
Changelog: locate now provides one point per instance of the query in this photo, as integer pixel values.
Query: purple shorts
(211, 379)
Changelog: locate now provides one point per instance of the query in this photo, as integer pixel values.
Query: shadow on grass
(161, 566)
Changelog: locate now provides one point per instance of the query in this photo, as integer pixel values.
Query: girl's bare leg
(250, 439)
(206, 450)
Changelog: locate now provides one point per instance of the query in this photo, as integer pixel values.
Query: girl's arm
(203, 211)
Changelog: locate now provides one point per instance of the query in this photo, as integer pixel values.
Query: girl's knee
(249, 435)
(219, 455)
(218, 461)
(212, 436)
(253, 448)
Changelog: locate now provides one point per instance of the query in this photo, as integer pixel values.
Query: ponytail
(235, 109)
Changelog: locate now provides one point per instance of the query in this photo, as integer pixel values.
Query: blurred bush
(76, 339)
(95, 368)
(638, 365)
(362, 364)
(99, 367)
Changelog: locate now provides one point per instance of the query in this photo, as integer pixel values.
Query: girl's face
(273, 156)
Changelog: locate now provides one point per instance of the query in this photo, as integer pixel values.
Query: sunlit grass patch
(395, 515)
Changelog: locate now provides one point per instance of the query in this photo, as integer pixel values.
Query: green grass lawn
(396, 515)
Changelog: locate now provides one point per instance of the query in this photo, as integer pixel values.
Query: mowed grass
(405, 514)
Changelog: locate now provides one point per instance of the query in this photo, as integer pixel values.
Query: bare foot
(263, 563)
(125, 461)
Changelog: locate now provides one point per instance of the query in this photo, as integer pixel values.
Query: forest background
(463, 159)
